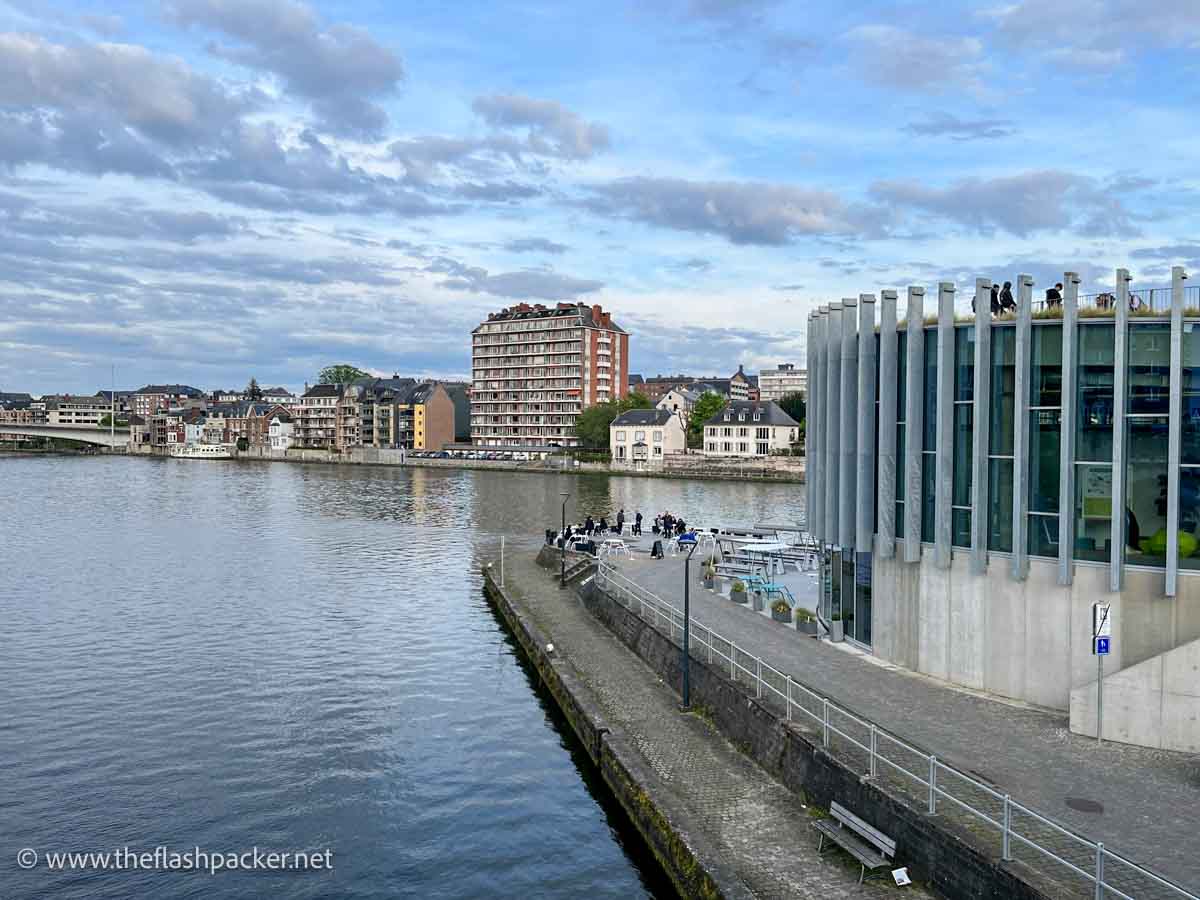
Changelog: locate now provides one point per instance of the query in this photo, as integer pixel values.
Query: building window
(658, 451)
(1093, 443)
(964, 423)
(1146, 444)
(1000, 439)
(639, 435)
(929, 440)
(1045, 438)
(658, 437)
(620, 435)
(762, 448)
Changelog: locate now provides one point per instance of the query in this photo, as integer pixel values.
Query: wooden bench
(870, 846)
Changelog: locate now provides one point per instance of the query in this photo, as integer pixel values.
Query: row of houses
(745, 429)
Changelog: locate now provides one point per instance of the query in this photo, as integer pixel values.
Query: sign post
(1101, 642)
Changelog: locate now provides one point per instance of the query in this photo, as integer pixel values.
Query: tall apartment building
(535, 368)
(784, 379)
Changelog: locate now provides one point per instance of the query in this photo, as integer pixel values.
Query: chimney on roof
(597, 315)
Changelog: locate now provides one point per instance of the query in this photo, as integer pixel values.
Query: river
(224, 655)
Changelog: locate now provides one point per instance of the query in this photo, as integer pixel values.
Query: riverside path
(759, 832)
(1143, 803)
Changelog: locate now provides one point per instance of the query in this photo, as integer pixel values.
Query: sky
(202, 191)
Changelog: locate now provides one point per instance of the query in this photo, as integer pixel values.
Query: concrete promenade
(755, 830)
(1149, 800)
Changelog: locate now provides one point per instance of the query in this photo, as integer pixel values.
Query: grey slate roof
(771, 414)
(651, 417)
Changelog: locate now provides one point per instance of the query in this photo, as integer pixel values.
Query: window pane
(899, 519)
(1000, 508)
(1093, 512)
(1094, 394)
(964, 419)
(961, 527)
(1146, 487)
(964, 363)
(847, 604)
(1043, 536)
(1149, 368)
(1045, 438)
(930, 414)
(1004, 353)
(862, 600)
(1189, 518)
(928, 480)
(1191, 395)
(1045, 382)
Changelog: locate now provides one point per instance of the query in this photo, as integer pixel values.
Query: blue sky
(206, 190)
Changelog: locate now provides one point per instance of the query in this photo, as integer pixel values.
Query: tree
(707, 406)
(794, 406)
(106, 421)
(253, 391)
(591, 425)
(342, 373)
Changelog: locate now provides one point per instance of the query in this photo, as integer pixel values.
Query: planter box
(806, 627)
(737, 596)
(784, 617)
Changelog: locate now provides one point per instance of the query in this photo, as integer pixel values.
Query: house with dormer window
(747, 428)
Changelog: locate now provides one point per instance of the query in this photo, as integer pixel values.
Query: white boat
(201, 451)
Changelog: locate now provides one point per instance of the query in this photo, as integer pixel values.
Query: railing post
(933, 785)
(732, 662)
(758, 677)
(873, 735)
(1006, 849)
(825, 717)
(710, 642)
(787, 703)
(1100, 871)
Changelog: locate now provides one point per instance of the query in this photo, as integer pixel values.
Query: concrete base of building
(1027, 640)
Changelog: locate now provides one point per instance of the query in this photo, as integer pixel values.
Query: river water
(234, 655)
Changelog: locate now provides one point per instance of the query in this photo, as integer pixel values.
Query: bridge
(87, 434)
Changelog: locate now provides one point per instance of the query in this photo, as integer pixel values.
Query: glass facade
(1189, 457)
(929, 439)
(901, 413)
(1045, 441)
(964, 424)
(1000, 439)
(1093, 442)
(1148, 403)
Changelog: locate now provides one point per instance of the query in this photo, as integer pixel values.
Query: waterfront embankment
(718, 823)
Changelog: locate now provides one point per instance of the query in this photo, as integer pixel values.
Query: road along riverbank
(718, 823)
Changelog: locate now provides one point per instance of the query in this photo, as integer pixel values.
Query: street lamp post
(562, 562)
(687, 628)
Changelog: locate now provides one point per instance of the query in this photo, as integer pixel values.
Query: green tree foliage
(341, 373)
(794, 406)
(106, 421)
(591, 425)
(253, 391)
(707, 406)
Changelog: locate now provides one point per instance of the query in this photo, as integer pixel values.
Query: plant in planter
(710, 574)
(737, 591)
(781, 612)
(806, 622)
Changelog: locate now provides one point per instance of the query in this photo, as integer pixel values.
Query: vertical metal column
(914, 430)
(1174, 426)
(1066, 460)
(1116, 559)
(833, 426)
(888, 346)
(808, 366)
(1020, 555)
(981, 430)
(944, 427)
(847, 471)
(865, 490)
(815, 457)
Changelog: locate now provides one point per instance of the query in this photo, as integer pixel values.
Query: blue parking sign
(1102, 646)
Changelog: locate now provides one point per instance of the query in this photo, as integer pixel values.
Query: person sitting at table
(656, 528)
(680, 527)
(602, 528)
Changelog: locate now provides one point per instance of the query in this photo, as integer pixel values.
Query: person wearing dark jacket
(589, 526)
(1054, 296)
(603, 526)
(621, 521)
(1007, 303)
(637, 524)
(996, 300)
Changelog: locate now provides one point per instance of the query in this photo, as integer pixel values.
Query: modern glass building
(978, 482)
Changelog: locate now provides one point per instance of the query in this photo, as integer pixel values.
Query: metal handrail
(653, 608)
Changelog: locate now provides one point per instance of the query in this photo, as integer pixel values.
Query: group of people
(668, 524)
(590, 527)
(1003, 302)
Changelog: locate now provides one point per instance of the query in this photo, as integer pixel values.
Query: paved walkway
(1150, 798)
(759, 827)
